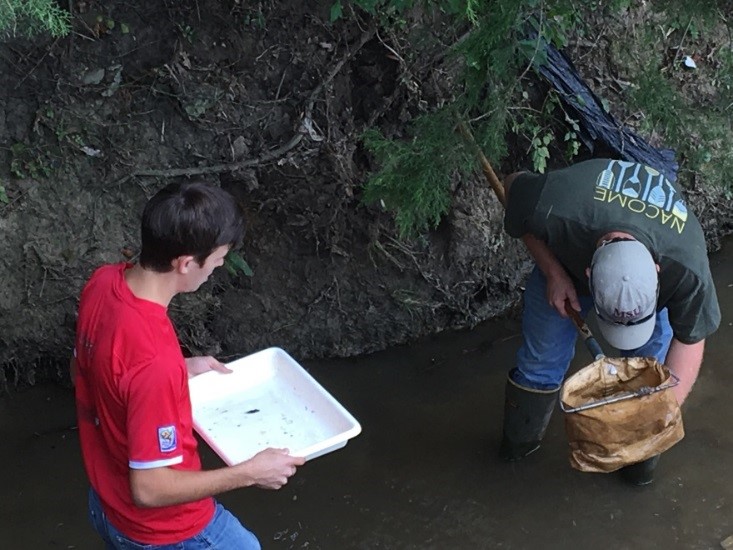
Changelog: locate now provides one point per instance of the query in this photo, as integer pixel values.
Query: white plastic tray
(268, 401)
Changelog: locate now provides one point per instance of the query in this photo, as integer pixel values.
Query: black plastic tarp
(597, 126)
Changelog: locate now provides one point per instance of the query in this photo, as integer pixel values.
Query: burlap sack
(613, 435)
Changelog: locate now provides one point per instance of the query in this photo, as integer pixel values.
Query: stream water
(424, 473)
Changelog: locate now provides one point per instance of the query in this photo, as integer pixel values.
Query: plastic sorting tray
(268, 401)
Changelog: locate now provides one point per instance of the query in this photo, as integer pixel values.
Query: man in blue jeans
(224, 531)
(148, 489)
(615, 237)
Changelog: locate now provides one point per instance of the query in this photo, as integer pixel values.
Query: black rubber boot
(527, 413)
(641, 473)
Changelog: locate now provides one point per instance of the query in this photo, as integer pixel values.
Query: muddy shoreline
(424, 472)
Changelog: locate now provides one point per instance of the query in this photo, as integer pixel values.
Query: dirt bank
(269, 101)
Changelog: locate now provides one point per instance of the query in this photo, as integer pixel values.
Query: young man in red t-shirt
(133, 404)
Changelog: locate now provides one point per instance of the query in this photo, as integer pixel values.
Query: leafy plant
(235, 264)
(416, 174)
(255, 18)
(416, 169)
(3, 195)
(29, 162)
(30, 17)
(655, 96)
(697, 127)
(540, 152)
(187, 32)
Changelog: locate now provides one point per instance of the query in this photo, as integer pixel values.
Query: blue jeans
(548, 340)
(224, 532)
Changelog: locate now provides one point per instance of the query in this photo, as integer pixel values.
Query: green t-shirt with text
(571, 209)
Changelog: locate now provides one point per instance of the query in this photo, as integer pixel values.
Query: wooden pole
(588, 339)
(488, 171)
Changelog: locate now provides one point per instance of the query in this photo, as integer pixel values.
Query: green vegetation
(236, 264)
(699, 124)
(29, 162)
(30, 17)
(417, 171)
(416, 175)
(501, 105)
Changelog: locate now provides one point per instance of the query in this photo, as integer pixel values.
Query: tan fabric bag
(619, 411)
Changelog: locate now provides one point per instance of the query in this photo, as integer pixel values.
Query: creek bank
(268, 102)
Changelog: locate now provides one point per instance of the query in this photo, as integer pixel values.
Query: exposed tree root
(305, 128)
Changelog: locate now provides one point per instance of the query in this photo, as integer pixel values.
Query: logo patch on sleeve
(167, 439)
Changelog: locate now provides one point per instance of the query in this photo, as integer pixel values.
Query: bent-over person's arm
(560, 287)
(684, 361)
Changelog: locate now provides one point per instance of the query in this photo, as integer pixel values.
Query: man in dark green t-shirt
(615, 236)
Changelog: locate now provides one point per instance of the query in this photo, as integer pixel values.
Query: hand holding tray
(268, 401)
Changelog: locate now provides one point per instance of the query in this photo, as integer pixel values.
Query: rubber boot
(527, 413)
(641, 473)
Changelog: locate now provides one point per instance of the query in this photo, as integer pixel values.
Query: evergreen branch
(30, 17)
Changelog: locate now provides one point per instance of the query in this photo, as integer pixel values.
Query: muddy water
(424, 473)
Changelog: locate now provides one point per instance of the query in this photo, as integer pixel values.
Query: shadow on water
(424, 472)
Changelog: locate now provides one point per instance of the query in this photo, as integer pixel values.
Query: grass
(687, 108)
(31, 17)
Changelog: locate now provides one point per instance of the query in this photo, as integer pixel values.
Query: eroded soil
(268, 100)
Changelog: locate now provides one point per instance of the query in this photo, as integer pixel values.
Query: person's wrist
(556, 273)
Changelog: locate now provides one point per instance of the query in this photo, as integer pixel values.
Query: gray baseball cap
(625, 285)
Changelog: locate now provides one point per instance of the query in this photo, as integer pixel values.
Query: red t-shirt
(133, 406)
